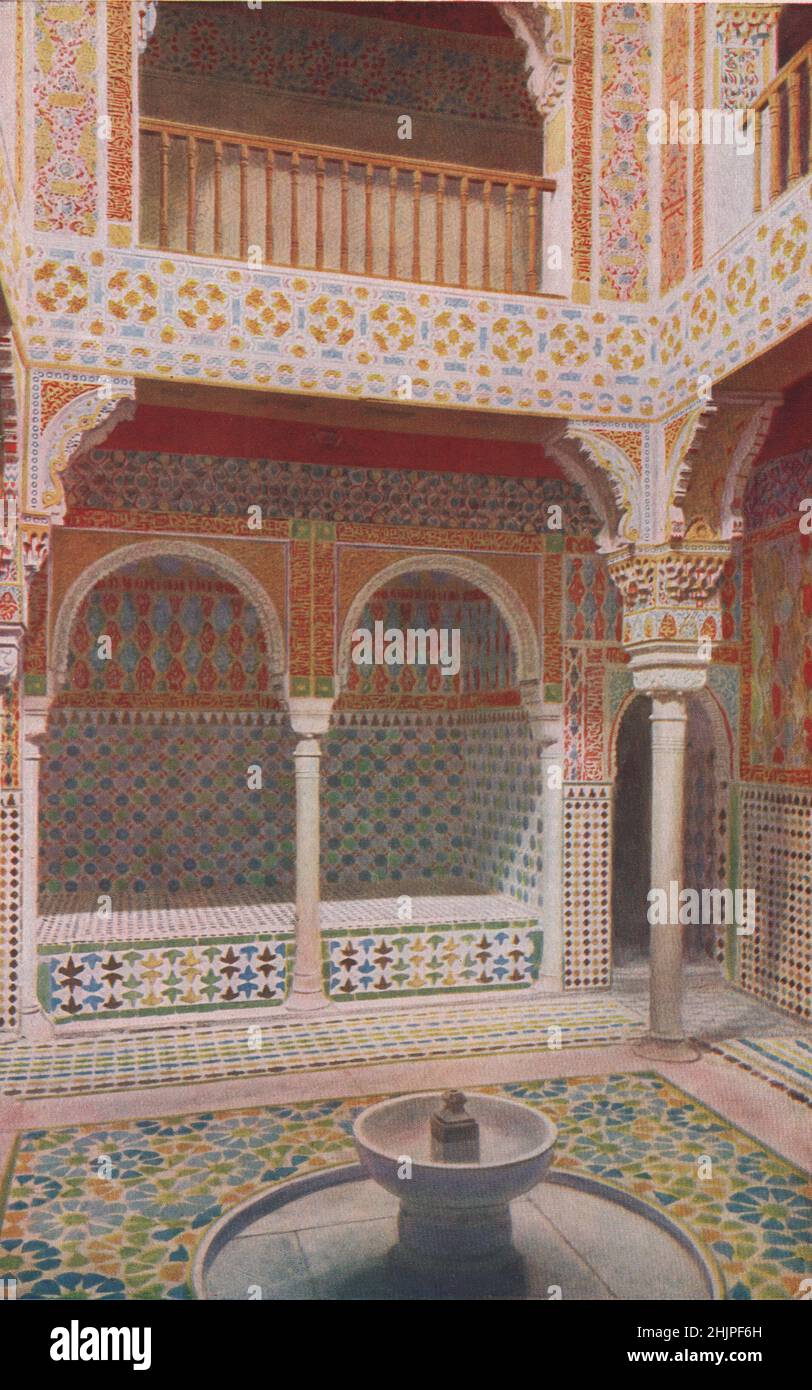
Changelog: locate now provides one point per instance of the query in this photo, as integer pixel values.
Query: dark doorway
(631, 850)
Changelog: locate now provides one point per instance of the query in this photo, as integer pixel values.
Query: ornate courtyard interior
(319, 318)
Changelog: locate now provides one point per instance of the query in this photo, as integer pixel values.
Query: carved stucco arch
(578, 467)
(540, 28)
(607, 462)
(723, 739)
(82, 423)
(223, 565)
(520, 625)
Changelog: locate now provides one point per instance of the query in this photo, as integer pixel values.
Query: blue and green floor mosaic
(287, 1044)
(69, 1232)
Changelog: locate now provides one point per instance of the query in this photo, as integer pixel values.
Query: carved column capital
(670, 593)
(309, 715)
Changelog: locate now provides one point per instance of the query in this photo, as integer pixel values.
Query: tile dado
(90, 979)
(419, 960)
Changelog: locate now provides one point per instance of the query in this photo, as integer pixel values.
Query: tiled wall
(775, 798)
(502, 800)
(133, 809)
(392, 805)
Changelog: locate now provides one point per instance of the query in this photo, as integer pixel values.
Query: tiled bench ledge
(158, 961)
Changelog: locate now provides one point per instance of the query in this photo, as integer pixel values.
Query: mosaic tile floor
(786, 1063)
(166, 919)
(210, 1053)
(69, 1233)
(711, 1008)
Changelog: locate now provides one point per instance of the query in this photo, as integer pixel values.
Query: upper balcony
(785, 108)
(258, 200)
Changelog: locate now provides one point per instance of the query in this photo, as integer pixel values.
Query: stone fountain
(455, 1164)
(427, 1214)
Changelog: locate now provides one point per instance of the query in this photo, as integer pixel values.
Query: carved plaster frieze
(540, 28)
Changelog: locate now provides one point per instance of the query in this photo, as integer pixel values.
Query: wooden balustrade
(222, 193)
(786, 106)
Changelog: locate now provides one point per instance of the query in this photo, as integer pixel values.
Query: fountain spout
(454, 1133)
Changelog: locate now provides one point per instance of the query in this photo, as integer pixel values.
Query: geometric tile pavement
(283, 1043)
(128, 1228)
(786, 1063)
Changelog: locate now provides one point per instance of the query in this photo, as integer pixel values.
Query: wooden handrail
(781, 105)
(804, 55)
(339, 153)
(319, 200)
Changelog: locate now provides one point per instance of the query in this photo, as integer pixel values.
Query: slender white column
(309, 717)
(547, 728)
(35, 1026)
(669, 722)
(552, 834)
(668, 681)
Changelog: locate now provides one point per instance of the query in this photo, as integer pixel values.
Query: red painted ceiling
(169, 430)
(791, 428)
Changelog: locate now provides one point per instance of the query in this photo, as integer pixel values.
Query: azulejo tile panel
(66, 1232)
(206, 485)
(433, 960)
(106, 980)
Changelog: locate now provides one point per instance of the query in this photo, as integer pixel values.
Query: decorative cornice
(540, 28)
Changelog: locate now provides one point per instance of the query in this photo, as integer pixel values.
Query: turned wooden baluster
(163, 234)
(243, 202)
(775, 144)
(486, 235)
(439, 232)
(795, 125)
(345, 236)
(393, 193)
(417, 182)
(218, 197)
(368, 220)
(269, 172)
(509, 237)
(191, 193)
(464, 233)
(320, 212)
(532, 274)
(294, 208)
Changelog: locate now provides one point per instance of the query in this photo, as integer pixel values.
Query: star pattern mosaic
(68, 1232)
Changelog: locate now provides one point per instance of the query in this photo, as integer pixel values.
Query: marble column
(310, 719)
(34, 1024)
(547, 728)
(669, 688)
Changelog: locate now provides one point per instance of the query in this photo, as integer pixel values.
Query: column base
(667, 1049)
(35, 1027)
(306, 999)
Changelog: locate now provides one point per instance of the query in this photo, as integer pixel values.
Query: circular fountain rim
(392, 1102)
(262, 1203)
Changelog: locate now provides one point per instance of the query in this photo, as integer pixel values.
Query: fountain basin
(454, 1223)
